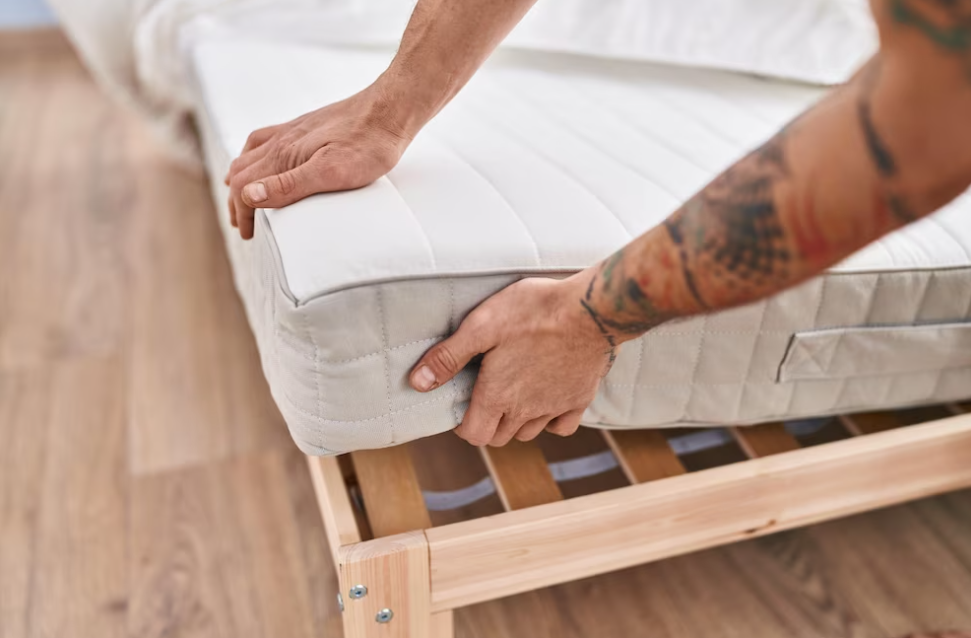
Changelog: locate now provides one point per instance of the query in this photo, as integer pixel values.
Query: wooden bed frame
(410, 576)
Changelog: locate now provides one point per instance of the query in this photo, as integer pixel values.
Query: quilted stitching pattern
(544, 171)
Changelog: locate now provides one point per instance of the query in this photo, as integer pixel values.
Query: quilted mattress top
(545, 164)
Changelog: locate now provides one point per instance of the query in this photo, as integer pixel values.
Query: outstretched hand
(343, 146)
(544, 359)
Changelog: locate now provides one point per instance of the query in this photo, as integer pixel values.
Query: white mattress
(542, 166)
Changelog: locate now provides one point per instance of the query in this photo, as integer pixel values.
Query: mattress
(544, 165)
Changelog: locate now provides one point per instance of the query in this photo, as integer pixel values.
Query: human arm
(351, 143)
(891, 146)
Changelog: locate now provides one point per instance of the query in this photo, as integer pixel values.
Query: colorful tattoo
(732, 230)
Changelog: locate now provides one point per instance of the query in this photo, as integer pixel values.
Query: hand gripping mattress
(542, 166)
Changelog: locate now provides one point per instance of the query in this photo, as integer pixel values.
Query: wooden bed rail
(414, 575)
(497, 556)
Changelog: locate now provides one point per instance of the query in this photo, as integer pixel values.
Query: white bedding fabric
(137, 47)
(545, 164)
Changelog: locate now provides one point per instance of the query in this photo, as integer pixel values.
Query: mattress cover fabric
(543, 165)
(137, 48)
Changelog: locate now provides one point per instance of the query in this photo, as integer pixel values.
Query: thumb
(445, 360)
(277, 191)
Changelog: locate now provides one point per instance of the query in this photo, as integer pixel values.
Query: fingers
(246, 157)
(259, 137)
(507, 429)
(232, 213)
(480, 422)
(565, 424)
(448, 357)
(277, 191)
(531, 429)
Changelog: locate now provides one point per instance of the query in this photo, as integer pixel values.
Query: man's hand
(339, 147)
(544, 359)
(354, 142)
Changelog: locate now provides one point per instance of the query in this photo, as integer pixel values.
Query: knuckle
(287, 155)
(443, 358)
(286, 183)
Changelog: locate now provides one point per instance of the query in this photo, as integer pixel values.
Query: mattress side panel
(716, 370)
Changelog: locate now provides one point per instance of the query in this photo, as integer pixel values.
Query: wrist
(608, 306)
(406, 100)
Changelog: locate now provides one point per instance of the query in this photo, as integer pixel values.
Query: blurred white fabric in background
(137, 48)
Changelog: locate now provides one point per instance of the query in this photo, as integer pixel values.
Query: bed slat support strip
(644, 455)
(766, 439)
(389, 487)
(521, 475)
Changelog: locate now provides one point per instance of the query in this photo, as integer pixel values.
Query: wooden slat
(870, 422)
(395, 571)
(644, 455)
(389, 487)
(521, 475)
(335, 505)
(502, 555)
(764, 440)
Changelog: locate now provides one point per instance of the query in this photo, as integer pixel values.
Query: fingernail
(424, 378)
(255, 192)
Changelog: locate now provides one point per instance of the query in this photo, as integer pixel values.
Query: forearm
(884, 150)
(444, 44)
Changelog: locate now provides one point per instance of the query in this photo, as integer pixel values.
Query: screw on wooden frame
(358, 591)
(384, 616)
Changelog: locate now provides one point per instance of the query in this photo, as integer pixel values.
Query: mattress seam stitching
(387, 361)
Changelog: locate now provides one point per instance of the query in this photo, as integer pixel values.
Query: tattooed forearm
(731, 229)
(883, 159)
(885, 149)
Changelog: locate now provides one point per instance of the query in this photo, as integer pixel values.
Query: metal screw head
(384, 616)
(358, 591)
(340, 602)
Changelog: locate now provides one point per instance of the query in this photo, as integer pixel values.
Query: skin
(354, 142)
(887, 148)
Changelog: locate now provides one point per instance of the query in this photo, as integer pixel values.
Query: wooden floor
(148, 487)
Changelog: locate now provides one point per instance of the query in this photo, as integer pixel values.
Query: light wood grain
(64, 550)
(395, 571)
(764, 440)
(644, 455)
(518, 551)
(389, 485)
(216, 553)
(62, 233)
(335, 505)
(521, 475)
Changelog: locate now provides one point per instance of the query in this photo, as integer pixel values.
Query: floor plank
(217, 552)
(64, 508)
(65, 203)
